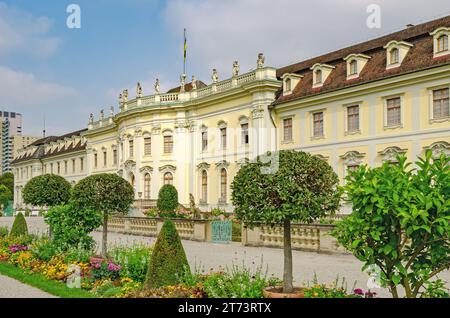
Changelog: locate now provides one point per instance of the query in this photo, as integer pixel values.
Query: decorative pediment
(438, 148)
(146, 169)
(222, 124)
(222, 164)
(167, 168)
(353, 157)
(390, 154)
(203, 166)
(130, 165)
(325, 158)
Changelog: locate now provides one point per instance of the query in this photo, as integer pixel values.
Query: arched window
(223, 185)
(288, 84)
(132, 180)
(318, 76)
(394, 56)
(204, 186)
(353, 67)
(442, 43)
(147, 181)
(168, 178)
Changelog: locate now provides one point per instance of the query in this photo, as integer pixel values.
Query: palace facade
(359, 105)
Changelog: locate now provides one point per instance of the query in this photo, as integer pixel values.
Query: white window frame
(354, 132)
(223, 125)
(431, 104)
(402, 112)
(436, 35)
(311, 113)
(287, 141)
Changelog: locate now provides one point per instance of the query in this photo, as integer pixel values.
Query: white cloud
(21, 31)
(286, 31)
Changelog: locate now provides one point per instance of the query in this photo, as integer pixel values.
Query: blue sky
(47, 69)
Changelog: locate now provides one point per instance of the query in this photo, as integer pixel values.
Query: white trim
(402, 112)
(431, 104)
(311, 113)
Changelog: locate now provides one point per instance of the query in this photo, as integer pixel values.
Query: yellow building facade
(360, 105)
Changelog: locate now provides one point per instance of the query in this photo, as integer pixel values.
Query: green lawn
(39, 281)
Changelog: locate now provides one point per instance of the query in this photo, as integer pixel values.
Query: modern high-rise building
(11, 138)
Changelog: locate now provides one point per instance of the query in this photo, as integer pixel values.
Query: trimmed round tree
(292, 187)
(19, 227)
(106, 193)
(167, 199)
(47, 190)
(168, 262)
(5, 195)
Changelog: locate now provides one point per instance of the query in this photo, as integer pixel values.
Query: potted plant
(281, 188)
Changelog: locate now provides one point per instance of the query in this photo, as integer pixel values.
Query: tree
(47, 190)
(5, 195)
(106, 193)
(303, 188)
(7, 179)
(168, 262)
(71, 227)
(167, 199)
(19, 227)
(400, 221)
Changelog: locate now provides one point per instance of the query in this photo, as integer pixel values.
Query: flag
(185, 50)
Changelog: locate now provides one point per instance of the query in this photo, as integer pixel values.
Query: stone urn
(277, 292)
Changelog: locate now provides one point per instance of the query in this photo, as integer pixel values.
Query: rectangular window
(148, 146)
(95, 160)
(131, 148)
(105, 159)
(73, 165)
(59, 168)
(442, 43)
(51, 168)
(393, 111)
(223, 137)
(353, 67)
(81, 164)
(168, 144)
(441, 103)
(66, 169)
(204, 141)
(244, 131)
(287, 129)
(115, 156)
(353, 118)
(318, 124)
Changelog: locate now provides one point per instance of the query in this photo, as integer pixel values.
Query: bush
(168, 262)
(71, 227)
(5, 196)
(47, 190)
(400, 221)
(167, 199)
(133, 261)
(44, 249)
(105, 193)
(19, 227)
(3, 231)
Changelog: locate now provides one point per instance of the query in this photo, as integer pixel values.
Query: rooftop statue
(261, 60)
(138, 90)
(157, 86)
(215, 76)
(194, 83)
(235, 68)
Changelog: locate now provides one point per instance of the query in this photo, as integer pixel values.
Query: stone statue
(125, 95)
(235, 68)
(261, 60)
(138, 90)
(182, 82)
(157, 86)
(102, 114)
(111, 112)
(194, 83)
(91, 118)
(196, 213)
(215, 76)
(120, 98)
(74, 278)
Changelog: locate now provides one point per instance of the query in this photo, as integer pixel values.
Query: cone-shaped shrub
(19, 227)
(168, 261)
(167, 198)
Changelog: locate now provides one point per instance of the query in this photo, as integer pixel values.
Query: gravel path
(11, 288)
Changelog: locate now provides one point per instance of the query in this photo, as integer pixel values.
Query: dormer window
(290, 81)
(440, 41)
(396, 53)
(320, 73)
(355, 64)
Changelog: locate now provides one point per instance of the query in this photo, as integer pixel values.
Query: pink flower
(358, 291)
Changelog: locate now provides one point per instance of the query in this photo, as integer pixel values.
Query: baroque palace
(363, 104)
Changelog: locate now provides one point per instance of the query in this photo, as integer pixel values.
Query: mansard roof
(419, 57)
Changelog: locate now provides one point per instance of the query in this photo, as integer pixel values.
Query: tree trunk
(287, 275)
(105, 235)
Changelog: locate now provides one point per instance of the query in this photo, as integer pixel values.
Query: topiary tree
(302, 188)
(71, 227)
(47, 190)
(167, 199)
(19, 227)
(400, 221)
(106, 193)
(168, 262)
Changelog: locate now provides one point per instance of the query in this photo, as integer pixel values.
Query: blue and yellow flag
(185, 51)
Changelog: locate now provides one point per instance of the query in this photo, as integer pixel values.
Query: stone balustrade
(315, 238)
